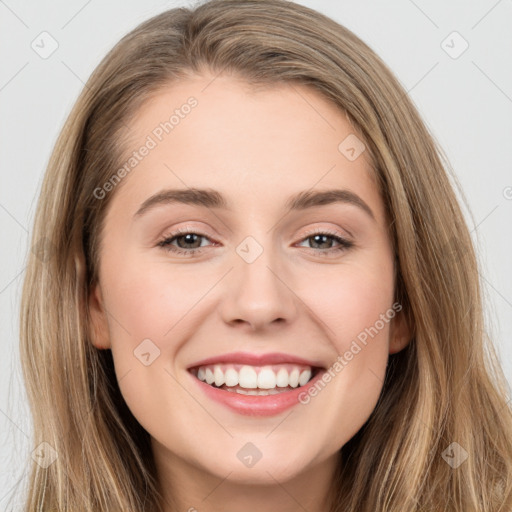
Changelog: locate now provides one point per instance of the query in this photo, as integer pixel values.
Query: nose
(259, 293)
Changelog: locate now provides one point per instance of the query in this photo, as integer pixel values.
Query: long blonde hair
(445, 387)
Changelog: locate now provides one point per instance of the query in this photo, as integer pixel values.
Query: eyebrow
(210, 198)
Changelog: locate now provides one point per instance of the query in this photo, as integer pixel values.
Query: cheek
(150, 319)
(150, 301)
(354, 304)
(350, 299)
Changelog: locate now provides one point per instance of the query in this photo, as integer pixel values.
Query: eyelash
(166, 242)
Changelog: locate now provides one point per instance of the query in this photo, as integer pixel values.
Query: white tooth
(294, 378)
(266, 378)
(242, 391)
(304, 377)
(248, 378)
(282, 378)
(231, 377)
(252, 392)
(219, 375)
(210, 378)
(200, 373)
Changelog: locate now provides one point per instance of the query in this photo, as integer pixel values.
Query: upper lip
(256, 359)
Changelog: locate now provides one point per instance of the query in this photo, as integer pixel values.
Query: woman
(254, 371)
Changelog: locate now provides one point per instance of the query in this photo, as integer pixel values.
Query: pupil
(189, 238)
(318, 238)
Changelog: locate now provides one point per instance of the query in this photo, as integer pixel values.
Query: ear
(400, 332)
(99, 331)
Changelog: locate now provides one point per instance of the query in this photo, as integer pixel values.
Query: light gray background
(466, 102)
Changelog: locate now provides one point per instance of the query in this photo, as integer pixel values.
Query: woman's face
(266, 282)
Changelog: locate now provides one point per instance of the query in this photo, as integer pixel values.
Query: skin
(257, 148)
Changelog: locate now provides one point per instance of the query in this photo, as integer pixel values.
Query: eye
(321, 237)
(189, 242)
(184, 238)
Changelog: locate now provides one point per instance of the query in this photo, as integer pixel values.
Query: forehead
(258, 146)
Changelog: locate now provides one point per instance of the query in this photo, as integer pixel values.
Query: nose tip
(256, 293)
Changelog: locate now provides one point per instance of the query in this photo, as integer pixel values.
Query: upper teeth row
(248, 377)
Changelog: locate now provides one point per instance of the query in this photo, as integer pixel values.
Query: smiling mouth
(255, 380)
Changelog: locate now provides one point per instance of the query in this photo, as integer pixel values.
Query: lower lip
(257, 405)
